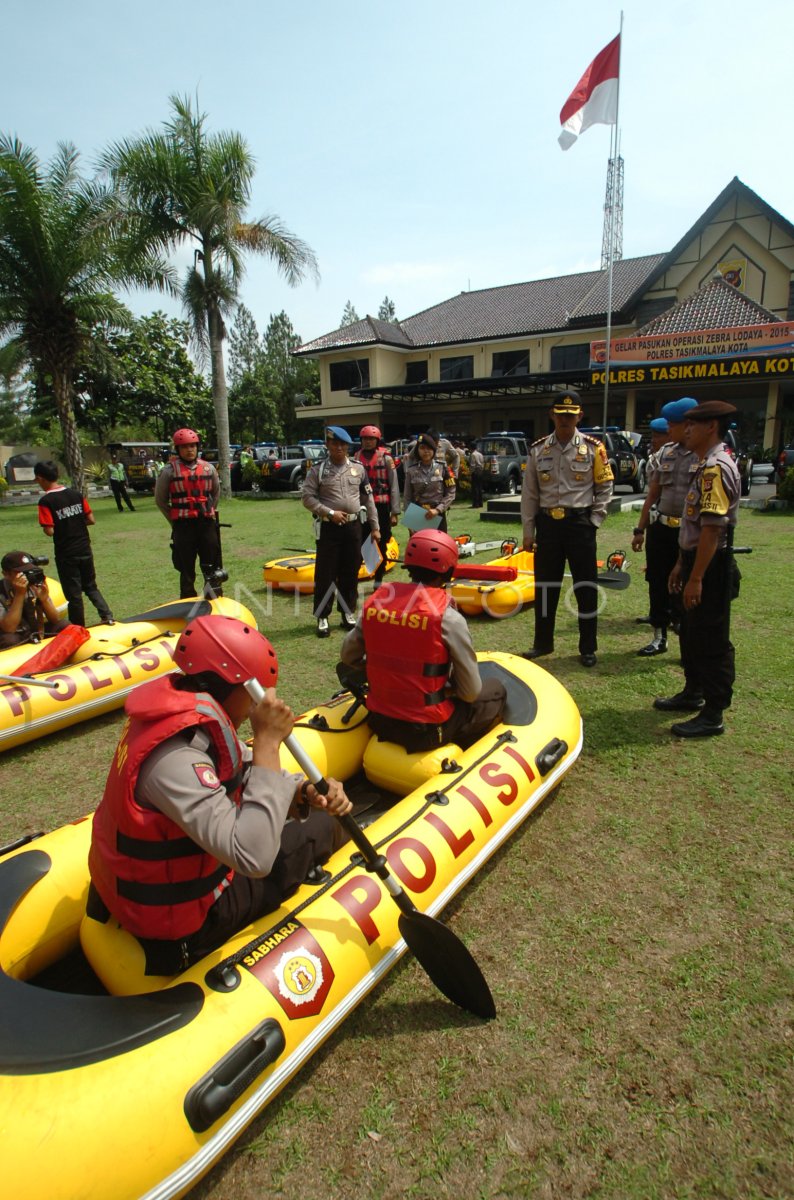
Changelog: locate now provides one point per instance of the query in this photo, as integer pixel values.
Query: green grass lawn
(636, 932)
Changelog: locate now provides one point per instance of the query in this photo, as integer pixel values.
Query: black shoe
(322, 627)
(348, 621)
(537, 652)
(642, 621)
(680, 702)
(109, 620)
(706, 724)
(588, 660)
(657, 646)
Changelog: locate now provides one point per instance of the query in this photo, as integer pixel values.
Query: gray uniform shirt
(179, 778)
(675, 470)
(465, 674)
(344, 488)
(432, 486)
(712, 499)
(574, 475)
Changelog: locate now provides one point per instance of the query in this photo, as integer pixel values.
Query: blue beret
(659, 425)
(676, 410)
(341, 435)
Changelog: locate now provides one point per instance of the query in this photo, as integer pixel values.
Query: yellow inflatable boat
(499, 588)
(136, 1090)
(101, 673)
(296, 573)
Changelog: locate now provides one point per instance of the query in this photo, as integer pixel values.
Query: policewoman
(187, 492)
(429, 480)
(669, 480)
(337, 492)
(703, 575)
(382, 476)
(564, 498)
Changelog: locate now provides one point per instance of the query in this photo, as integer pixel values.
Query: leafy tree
(387, 311)
(143, 377)
(349, 316)
(61, 253)
(186, 185)
(253, 412)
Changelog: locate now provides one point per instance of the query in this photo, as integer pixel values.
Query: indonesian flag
(594, 100)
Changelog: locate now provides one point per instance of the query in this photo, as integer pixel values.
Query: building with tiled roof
(491, 359)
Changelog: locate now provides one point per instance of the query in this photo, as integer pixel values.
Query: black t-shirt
(64, 511)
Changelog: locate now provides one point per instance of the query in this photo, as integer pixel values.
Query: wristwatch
(331, 514)
(638, 532)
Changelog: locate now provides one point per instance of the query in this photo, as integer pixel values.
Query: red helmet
(432, 549)
(371, 431)
(230, 648)
(184, 437)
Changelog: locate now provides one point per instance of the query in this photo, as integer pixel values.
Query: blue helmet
(676, 410)
(659, 425)
(339, 434)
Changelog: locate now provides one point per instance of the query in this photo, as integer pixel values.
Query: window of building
(416, 372)
(350, 374)
(510, 362)
(460, 367)
(571, 358)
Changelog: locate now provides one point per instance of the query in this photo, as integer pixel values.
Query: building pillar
(631, 408)
(773, 433)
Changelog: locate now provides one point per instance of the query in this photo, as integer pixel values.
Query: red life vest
(152, 877)
(190, 490)
(407, 661)
(377, 472)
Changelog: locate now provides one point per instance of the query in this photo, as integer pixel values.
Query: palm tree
(61, 253)
(185, 185)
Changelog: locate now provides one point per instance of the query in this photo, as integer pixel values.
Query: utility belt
(318, 522)
(560, 514)
(671, 522)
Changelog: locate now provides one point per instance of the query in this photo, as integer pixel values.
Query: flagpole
(614, 141)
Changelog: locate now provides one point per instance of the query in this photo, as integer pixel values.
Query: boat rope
(135, 644)
(221, 971)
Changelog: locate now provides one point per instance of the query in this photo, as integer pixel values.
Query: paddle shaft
(440, 952)
(24, 681)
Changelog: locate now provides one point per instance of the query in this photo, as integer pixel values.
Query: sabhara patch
(205, 773)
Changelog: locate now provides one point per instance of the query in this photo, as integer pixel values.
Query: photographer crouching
(27, 612)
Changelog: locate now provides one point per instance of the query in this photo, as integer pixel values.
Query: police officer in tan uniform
(429, 480)
(564, 498)
(338, 493)
(668, 483)
(704, 575)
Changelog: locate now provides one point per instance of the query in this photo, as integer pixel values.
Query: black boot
(707, 723)
(657, 645)
(684, 701)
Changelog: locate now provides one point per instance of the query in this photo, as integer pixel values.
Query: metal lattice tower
(613, 213)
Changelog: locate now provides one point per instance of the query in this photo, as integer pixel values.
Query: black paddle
(443, 956)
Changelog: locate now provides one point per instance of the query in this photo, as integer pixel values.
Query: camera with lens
(34, 575)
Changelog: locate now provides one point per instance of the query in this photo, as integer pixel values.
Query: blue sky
(414, 146)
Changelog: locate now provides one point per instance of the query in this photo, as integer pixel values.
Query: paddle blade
(617, 580)
(448, 963)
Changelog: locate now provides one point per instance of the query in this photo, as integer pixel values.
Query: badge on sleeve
(205, 773)
(602, 472)
(712, 494)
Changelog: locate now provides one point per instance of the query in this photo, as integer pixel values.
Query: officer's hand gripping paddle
(443, 956)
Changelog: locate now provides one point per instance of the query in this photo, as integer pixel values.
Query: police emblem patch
(205, 773)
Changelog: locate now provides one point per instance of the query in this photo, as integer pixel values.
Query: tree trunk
(62, 389)
(219, 396)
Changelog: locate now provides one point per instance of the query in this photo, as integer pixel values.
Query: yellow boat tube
(499, 588)
(160, 1075)
(101, 673)
(296, 573)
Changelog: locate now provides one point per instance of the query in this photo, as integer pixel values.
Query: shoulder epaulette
(594, 441)
(539, 440)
